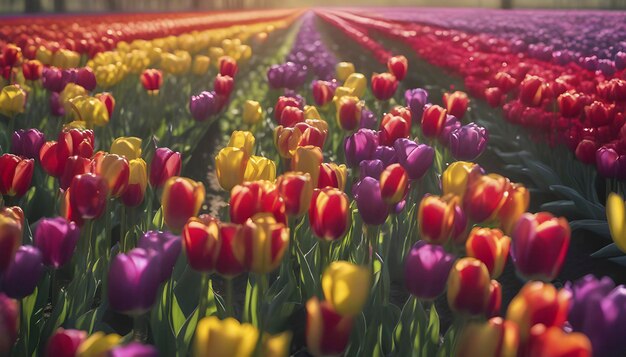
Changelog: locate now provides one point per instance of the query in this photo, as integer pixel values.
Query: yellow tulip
(308, 159)
(346, 286)
(344, 70)
(310, 112)
(616, 216)
(136, 61)
(252, 112)
(44, 55)
(277, 345)
(243, 140)
(341, 92)
(320, 124)
(215, 53)
(230, 167)
(128, 146)
(98, 344)
(137, 183)
(454, 178)
(71, 91)
(12, 100)
(260, 168)
(200, 65)
(215, 337)
(64, 58)
(90, 110)
(358, 83)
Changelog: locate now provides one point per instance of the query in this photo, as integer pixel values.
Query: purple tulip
(134, 280)
(598, 310)
(415, 158)
(86, 79)
(56, 108)
(24, 272)
(451, 124)
(590, 63)
(416, 99)
(607, 67)
(360, 146)
(368, 119)
(204, 105)
(134, 349)
(52, 79)
(398, 207)
(369, 201)
(426, 270)
(56, 238)
(27, 143)
(610, 163)
(386, 154)
(468, 142)
(371, 168)
(69, 76)
(620, 60)
(275, 76)
(167, 244)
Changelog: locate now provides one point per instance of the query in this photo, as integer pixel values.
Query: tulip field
(321, 182)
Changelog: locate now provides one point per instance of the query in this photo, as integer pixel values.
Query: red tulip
(494, 97)
(11, 55)
(491, 247)
(433, 119)
(152, 79)
(296, 190)
(223, 85)
(16, 174)
(328, 214)
(65, 343)
(332, 175)
(327, 332)
(32, 70)
(75, 165)
(532, 91)
(384, 85)
(228, 66)
(207, 241)
(282, 103)
(495, 300)
(469, 287)
(570, 104)
(349, 112)
(393, 127)
(87, 197)
(435, 217)
(394, 183)
(108, 100)
(9, 323)
(291, 116)
(598, 113)
(323, 92)
(485, 195)
(181, 200)
(398, 65)
(456, 103)
(165, 164)
(251, 198)
(554, 342)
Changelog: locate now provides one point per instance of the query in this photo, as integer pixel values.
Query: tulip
(468, 287)
(252, 112)
(250, 198)
(10, 237)
(455, 178)
(346, 287)
(494, 97)
(436, 218)
(398, 65)
(134, 349)
(402, 112)
(615, 213)
(223, 85)
(65, 343)
(116, 171)
(291, 116)
(86, 78)
(137, 182)
(27, 143)
(56, 238)
(52, 79)
(314, 118)
(16, 176)
(344, 70)
(12, 100)
(514, 206)
(75, 165)
(384, 86)
(296, 190)
(538, 303)
(9, 323)
(586, 151)
(332, 175)
(432, 264)
(485, 195)
(328, 213)
(554, 342)
(98, 344)
(260, 168)
(228, 337)
(90, 110)
(204, 105)
(371, 168)
(570, 104)
(21, 277)
(348, 112)
(281, 104)
(287, 140)
(433, 121)
(152, 79)
(540, 243)
(415, 158)
(32, 70)
(134, 279)
(323, 92)
(368, 119)
(71, 91)
(342, 92)
(308, 159)
(200, 65)
(468, 142)
(456, 103)
(87, 196)
(327, 331)
(392, 128)
(532, 91)
(167, 245)
(228, 66)
(65, 58)
(611, 163)
(129, 147)
(108, 100)
(181, 199)
(56, 107)
(496, 337)
(243, 140)
(369, 201)
(491, 247)
(598, 114)
(265, 241)
(165, 164)
(394, 184)
(11, 55)
(230, 167)
(388, 154)
(415, 100)
(492, 309)
(360, 146)
(357, 83)
(312, 133)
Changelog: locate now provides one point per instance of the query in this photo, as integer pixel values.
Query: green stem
(204, 294)
(324, 255)
(123, 242)
(230, 308)
(140, 328)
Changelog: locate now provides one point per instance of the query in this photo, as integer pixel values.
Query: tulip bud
(129, 147)
(98, 344)
(538, 303)
(532, 91)
(264, 242)
(323, 92)
(598, 114)
(230, 167)
(485, 195)
(468, 287)
(344, 70)
(392, 128)
(181, 199)
(540, 243)
(570, 104)
(415, 158)
(243, 140)
(494, 97)
(10, 237)
(554, 342)
(165, 164)
(137, 182)
(496, 337)
(252, 112)
(327, 331)
(32, 69)
(495, 300)
(202, 242)
(204, 105)
(260, 168)
(9, 323)
(11, 55)
(346, 287)
(152, 79)
(241, 339)
(17, 174)
(65, 343)
(432, 265)
(369, 201)
(394, 184)
(491, 247)
(75, 165)
(357, 83)
(56, 238)
(384, 86)
(435, 217)
(291, 116)
(12, 100)
(348, 112)
(86, 78)
(454, 179)
(328, 214)
(514, 206)
(228, 66)
(87, 196)
(456, 103)
(115, 171)
(311, 135)
(296, 190)
(308, 159)
(398, 65)
(360, 146)
(167, 245)
(468, 142)
(108, 100)
(251, 198)
(21, 277)
(200, 65)
(433, 120)
(281, 104)
(27, 143)
(223, 85)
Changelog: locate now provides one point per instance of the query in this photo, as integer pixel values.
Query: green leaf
(586, 208)
(91, 318)
(599, 227)
(183, 339)
(431, 340)
(609, 251)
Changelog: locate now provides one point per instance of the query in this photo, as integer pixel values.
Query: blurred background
(20, 6)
